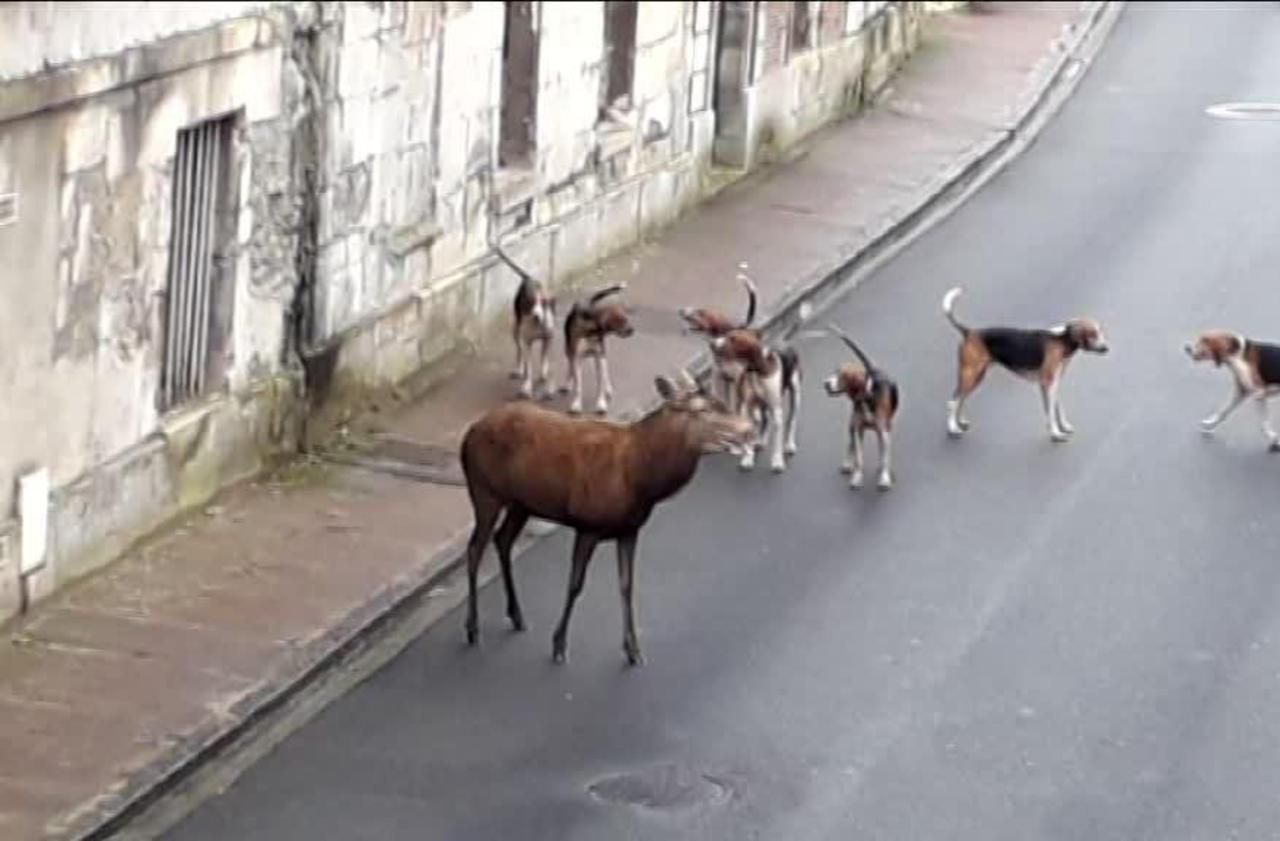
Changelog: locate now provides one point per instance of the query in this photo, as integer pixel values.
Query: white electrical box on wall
(33, 512)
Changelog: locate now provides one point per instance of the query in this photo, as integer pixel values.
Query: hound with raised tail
(586, 328)
(1255, 371)
(1041, 356)
(873, 404)
(768, 391)
(726, 371)
(534, 324)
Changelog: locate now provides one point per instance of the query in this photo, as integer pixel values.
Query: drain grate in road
(1245, 111)
(670, 787)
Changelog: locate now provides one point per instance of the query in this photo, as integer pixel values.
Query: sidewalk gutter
(400, 600)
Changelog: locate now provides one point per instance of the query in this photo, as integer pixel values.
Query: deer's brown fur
(600, 478)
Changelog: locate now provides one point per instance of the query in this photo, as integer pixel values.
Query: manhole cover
(663, 787)
(1245, 110)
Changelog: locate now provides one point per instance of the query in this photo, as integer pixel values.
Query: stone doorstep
(102, 814)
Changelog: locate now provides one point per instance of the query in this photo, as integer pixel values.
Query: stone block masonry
(339, 231)
(191, 637)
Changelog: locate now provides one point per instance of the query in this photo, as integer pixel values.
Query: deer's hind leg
(504, 540)
(487, 508)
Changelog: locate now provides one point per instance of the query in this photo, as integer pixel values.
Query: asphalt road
(1021, 641)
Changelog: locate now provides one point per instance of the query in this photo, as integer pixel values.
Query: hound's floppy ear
(1224, 347)
(666, 388)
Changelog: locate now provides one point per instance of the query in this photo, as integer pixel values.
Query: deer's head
(702, 422)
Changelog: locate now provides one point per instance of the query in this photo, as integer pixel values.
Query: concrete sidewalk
(113, 686)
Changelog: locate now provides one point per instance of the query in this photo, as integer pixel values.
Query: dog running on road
(768, 390)
(1041, 356)
(534, 324)
(727, 372)
(1255, 371)
(586, 328)
(873, 398)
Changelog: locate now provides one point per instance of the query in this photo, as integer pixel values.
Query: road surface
(1021, 641)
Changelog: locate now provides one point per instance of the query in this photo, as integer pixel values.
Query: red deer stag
(600, 478)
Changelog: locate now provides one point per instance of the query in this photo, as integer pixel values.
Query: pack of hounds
(761, 379)
(604, 479)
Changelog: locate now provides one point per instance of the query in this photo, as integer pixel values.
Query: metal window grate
(188, 306)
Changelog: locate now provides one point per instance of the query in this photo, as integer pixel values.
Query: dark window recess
(518, 130)
(801, 26)
(8, 209)
(620, 54)
(199, 286)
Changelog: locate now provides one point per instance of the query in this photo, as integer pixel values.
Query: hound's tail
(851, 344)
(597, 297)
(751, 300)
(948, 308)
(520, 272)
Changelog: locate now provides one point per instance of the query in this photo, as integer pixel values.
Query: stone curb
(131, 797)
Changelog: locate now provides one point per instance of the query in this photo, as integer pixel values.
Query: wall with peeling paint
(90, 158)
(406, 267)
(365, 196)
(41, 36)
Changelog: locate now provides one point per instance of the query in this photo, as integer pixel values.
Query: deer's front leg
(626, 583)
(583, 547)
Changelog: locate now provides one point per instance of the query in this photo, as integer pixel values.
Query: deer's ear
(666, 388)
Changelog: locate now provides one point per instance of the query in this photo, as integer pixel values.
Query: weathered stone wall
(364, 192)
(81, 325)
(40, 36)
(415, 194)
(818, 85)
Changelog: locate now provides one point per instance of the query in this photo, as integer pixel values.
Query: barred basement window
(201, 184)
(800, 27)
(620, 54)
(518, 129)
